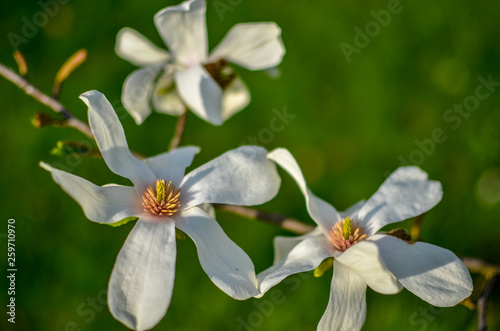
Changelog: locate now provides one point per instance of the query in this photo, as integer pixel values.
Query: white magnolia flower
(163, 198)
(361, 256)
(187, 74)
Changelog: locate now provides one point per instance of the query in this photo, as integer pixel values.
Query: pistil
(163, 200)
(343, 234)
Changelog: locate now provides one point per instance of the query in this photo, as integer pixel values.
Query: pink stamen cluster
(169, 202)
(343, 235)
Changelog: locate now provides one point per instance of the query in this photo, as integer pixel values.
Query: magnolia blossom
(163, 198)
(187, 75)
(361, 256)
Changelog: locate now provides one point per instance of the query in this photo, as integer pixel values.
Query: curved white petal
(305, 256)
(242, 176)
(110, 138)
(283, 245)
(172, 165)
(321, 212)
(184, 30)
(142, 280)
(166, 99)
(255, 46)
(406, 193)
(364, 259)
(137, 90)
(432, 273)
(227, 265)
(107, 204)
(346, 308)
(201, 93)
(353, 210)
(137, 49)
(235, 97)
(207, 208)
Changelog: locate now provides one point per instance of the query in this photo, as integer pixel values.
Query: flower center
(343, 234)
(221, 73)
(163, 200)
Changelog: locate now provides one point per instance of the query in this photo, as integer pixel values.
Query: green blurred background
(355, 123)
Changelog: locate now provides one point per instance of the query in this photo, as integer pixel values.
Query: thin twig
(179, 131)
(44, 99)
(279, 220)
(481, 267)
(483, 301)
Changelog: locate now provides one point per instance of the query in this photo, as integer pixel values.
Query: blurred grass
(352, 123)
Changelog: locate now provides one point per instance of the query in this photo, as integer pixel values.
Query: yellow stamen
(347, 228)
(160, 190)
(344, 234)
(163, 200)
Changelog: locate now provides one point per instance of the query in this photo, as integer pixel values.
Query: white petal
(207, 208)
(255, 46)
(234, 98)
(306, 256)
(364, 259)
(166, 99)
(432, 273)
(134, 47)
(227, 265)
(353, 210)
(142, 280)
(243, 176)
(346, 308)
(184, 30)
(137, 90)
(321, 212)
(172, 165)
(107, 204)
(283, 245)
(201, 93)
(110, 138)
(406, 193)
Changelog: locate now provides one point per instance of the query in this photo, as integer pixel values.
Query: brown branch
(481, 267)
(491, 275)
(44, 99)
(279, 220)
(483, 301)
(179, 131)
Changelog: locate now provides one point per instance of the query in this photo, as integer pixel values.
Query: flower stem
(279, 220)
(491, 274)
(483, 301)
(179, 131)
(44, 99)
